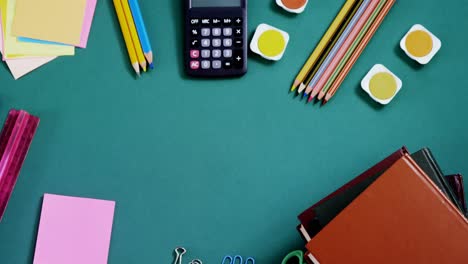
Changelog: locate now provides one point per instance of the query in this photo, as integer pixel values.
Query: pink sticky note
(88, 20)
(21, 67)
(74, 230)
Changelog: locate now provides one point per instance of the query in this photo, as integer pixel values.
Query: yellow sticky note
(51, 20)
(13, 48)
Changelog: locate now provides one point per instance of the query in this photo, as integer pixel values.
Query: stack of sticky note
(34, 32)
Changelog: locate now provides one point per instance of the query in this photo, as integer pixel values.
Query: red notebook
(310, 223)
(403, 217)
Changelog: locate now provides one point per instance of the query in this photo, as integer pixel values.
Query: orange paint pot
(293, 6)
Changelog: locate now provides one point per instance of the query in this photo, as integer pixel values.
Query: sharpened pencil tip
(151, 66)
(301, 88)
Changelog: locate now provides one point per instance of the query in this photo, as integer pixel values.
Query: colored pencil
(351, 50)
(126, 36)
(321, 82)
(343, 38)
(142, 33)
(322, 44)
(134, 34)
(358, 51)
(331, 44)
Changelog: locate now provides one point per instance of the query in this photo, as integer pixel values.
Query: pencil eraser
(293, 6)
(269, 42)
(420, 44)
(381, 84)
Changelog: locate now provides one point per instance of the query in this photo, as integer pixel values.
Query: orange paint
(294, 4)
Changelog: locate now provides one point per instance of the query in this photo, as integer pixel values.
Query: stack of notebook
(402, 210)
(35, 32)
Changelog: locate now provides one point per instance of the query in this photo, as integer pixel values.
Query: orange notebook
(401, 218)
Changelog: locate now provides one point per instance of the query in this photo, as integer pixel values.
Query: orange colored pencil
(359, 50)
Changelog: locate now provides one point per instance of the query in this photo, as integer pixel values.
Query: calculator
(215, 38)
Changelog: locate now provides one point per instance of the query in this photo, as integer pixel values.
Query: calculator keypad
(216, 43)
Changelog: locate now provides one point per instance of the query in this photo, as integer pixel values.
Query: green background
(224, 166)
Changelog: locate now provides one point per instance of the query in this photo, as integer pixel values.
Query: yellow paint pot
(381, 84)
(269, 42)
(293, 6)
(420, 44)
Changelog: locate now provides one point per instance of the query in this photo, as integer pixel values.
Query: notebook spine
(310, 259)
(436, 190)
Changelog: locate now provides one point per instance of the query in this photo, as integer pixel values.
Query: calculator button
(238, 21)
(238, 32)
(216, 43)
(216, 64)
(227, 64)
(238, 43)
(194, 65)
(205, 21)
(194, 54)
(216, 53)
(205, 43)
(195, 32)
(205, 53)
(227, 53)
(205, 64)
(195, 43)
(216, 21)
(227, 21)
(238, 59)
(227, 32)
(216, 32)
(195, 21)
(227, 42)
(205, 32)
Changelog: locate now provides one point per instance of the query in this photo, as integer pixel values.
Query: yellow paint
(383, 86)
(271, 43)
(419, 43)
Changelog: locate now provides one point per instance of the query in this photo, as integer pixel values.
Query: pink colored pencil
(358, 51)
(346, 45)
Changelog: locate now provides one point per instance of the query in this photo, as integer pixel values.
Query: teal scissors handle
(295, 254)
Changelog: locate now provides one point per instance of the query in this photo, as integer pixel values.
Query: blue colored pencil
(141, 29)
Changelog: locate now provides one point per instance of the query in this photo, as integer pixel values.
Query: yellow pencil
(126, 35)
(322, 44)
(134, 34)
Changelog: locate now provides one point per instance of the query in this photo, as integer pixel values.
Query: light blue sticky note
(38, 41)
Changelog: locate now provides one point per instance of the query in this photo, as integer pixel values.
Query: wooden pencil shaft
(125, 32)
(317, 51)
(133, 33)
(369, 10)
(349, 16)
(353, 46)
(359, 50)
(140, 26)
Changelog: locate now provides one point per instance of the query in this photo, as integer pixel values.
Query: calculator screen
(216, 3)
